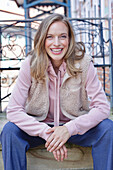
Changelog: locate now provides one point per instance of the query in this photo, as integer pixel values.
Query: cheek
(46, 44)
(66, 44)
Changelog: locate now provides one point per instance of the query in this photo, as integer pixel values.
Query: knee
(106, 125)
(9, 128)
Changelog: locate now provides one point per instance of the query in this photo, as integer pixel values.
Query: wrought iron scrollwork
(13, 47)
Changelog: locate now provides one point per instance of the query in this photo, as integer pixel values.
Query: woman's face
(57, 42)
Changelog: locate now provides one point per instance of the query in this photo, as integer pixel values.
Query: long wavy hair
(39, 58)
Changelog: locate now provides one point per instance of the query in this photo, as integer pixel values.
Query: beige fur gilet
(73, 96)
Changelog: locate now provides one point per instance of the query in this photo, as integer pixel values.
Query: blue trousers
(15, 144)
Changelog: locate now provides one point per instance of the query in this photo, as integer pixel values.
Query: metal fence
(15, 41)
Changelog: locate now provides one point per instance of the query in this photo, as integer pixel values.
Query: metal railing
(95, 33)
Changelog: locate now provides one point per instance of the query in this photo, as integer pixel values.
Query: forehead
(58, 27)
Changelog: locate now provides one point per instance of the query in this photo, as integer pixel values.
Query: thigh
(10, 128)
(92, 136)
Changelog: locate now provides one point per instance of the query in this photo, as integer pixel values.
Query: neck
(56, 65)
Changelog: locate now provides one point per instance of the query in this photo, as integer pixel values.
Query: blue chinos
(15, 144)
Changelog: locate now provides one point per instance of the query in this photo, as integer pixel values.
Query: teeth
(56, 50)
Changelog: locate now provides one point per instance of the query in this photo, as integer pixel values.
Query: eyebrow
(60, 33)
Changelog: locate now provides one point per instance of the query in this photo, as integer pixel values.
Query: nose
(56, 41)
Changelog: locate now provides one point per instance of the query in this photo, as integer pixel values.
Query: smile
(56, 50)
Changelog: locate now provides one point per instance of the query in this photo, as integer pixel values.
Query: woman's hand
(60, 154)
(57, 139)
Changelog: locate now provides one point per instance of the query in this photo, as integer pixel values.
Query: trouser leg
(15, 144)
(101, 140)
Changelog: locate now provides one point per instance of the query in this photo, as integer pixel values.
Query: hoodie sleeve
(99, 106)
(16, 107)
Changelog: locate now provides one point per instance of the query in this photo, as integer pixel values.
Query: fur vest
(73, 96)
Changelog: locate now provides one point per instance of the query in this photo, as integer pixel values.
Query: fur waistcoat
(73, 96)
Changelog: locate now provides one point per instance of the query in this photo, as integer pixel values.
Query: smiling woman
(56, 43)
(74, 50)
(50, 101)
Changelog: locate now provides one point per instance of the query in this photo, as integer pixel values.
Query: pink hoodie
(99, 105)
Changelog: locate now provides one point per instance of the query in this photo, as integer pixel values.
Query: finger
(65, 150)
(50, 130)
(49, 140)
(58, 155)
(53, 145)
(59, 146)
(62, 152)
(55, 155)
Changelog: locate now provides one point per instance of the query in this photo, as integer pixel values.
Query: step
(79, 158)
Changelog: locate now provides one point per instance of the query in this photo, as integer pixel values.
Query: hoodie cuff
(44, 135)
(71, 127)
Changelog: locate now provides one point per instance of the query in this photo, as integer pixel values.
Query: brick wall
(107, 78)
(112, 18)
(107, 70)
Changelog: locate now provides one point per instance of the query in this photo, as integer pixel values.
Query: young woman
(57, 99)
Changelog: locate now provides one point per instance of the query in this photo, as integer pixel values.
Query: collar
(62, 69)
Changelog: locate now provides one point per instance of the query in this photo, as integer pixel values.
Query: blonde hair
(39, 57)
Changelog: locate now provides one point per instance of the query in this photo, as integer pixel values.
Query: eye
(63, 36)
(49, 37)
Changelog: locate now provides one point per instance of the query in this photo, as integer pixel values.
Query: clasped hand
(55, 143)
